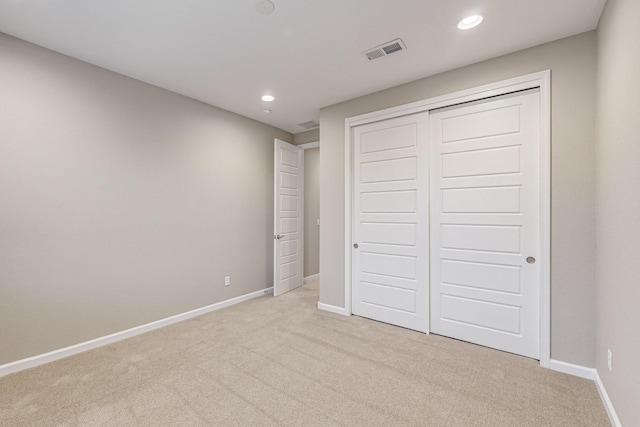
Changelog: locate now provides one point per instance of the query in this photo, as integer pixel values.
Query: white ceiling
(307, 53)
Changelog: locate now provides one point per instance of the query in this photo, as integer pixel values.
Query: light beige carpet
(281, 361)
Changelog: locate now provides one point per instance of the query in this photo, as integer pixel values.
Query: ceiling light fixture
(265, 7)
(470, 22)
(268, 98)
(266, 111)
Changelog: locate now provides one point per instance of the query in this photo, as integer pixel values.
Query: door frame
(540, 80)
(306, 146)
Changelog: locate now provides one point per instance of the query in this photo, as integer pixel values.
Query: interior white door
(485, 222)
(390, 262)
(288, 217)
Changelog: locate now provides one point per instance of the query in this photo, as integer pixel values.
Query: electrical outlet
(227, 280)
(610, 360)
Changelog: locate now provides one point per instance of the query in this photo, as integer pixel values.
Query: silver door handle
(531, 260)
(279, 236)
(355, 245)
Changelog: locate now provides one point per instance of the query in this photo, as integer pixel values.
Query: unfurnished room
(320, 213)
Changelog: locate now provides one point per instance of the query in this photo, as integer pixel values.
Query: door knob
(355, 245)
(279, 236)
(531, 260)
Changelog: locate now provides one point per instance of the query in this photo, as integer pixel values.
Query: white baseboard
(589, 374)
(571, 369)
(332, 309)
(613, 417)
(41, 359)
(311, 278)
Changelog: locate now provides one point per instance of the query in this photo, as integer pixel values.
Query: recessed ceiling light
(470, 22)
(265, 7)
(268, 98)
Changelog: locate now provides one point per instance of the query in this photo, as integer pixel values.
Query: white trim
(333, 309)
(348, 218)
(311, 278)
(473, 94)
(41, 359)
(540, 79)
(545, 218)
(608, 406)
(309, 145)
(589, 374)
(571, 369)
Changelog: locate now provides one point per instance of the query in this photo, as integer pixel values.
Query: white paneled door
(288, 217)
(390, 263)
(485, 222)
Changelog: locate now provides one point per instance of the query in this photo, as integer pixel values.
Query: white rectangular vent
(386, 49)
(308, 125)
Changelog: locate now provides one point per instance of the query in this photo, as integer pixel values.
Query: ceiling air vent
(308, 125)
(386, 49)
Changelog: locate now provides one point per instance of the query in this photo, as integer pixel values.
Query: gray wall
(311, 211)
(308, 136)
(618, 206)
(121, 203)
(573, 63)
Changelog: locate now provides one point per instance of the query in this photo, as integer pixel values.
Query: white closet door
(485, 222)
(390, 233)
